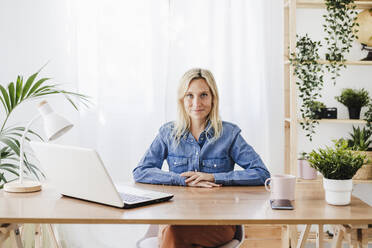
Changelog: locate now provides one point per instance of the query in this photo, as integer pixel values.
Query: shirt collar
(208, 130)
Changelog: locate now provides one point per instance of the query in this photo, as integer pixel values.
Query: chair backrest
(150, 239)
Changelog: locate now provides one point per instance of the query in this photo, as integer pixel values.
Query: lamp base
(24, 187)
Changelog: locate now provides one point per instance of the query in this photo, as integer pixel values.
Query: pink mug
(281, 187)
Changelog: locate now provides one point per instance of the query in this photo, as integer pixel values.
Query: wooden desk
(224, 205)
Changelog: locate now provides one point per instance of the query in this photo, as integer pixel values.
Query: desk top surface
(223, 205)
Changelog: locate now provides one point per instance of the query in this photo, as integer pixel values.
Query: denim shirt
(217, 157)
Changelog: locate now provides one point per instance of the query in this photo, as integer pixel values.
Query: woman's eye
(189, 95)
(204, 94)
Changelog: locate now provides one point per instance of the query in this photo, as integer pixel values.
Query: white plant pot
(338, 192)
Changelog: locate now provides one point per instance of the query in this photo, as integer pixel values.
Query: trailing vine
(309, 79)
(340, 30)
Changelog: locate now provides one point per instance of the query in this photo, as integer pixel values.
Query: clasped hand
(199, 179)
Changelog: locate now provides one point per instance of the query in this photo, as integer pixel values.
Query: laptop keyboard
(133, 198)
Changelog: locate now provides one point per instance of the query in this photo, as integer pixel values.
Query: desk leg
(338, 237)
(285, 236)
(10, 231)
(292, 229)
(363, 237)
(303, 237)
(320, 237)
(37, 236)
(52, 236)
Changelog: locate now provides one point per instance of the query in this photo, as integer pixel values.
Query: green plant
(303, 156)
(360, 139)
(352, 98)
(341, 32)
(316, 107)
(339, 163)
(368, 117)
(11, 97)
(309, 74)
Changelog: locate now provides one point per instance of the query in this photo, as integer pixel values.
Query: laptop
(79, 173)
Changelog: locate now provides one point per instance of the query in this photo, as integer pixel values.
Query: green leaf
(36, 86)
(19, 89)
(28, 84)
(5, 99)
(12, 95)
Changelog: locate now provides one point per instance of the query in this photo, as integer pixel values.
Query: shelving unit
(291, 122)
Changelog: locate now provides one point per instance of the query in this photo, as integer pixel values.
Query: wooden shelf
(319, 4)
(349, 62)
(340, 121)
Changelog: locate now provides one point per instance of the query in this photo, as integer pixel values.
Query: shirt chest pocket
(215, 165)
(177, 164)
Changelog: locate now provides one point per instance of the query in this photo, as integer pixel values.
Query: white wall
(310, 21)
(38, 31)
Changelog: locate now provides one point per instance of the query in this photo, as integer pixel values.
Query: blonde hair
(183, 123)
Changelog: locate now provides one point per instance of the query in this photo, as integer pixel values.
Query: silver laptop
(79, 172)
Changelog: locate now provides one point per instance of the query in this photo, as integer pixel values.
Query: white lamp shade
(54, 124)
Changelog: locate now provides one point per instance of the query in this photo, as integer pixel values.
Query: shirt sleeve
(149, 168)
(254, 173)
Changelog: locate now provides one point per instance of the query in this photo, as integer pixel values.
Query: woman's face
(198, 100)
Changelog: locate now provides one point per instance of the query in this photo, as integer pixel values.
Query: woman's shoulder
(230, 127)
(167, 127)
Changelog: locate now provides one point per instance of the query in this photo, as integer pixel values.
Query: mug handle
(267, 187)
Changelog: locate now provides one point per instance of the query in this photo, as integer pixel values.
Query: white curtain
(131, 55)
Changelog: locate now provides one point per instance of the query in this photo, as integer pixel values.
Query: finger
(190, 179)
(198, 179)
(187, 174)
(214, 184)
(204, 185)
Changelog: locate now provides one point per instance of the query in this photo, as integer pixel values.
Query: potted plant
(11, 96)
(354, 100)
(317, 108)
(360, 141)
(338, 166)
(305, 171)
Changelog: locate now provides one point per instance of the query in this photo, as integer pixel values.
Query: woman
(201, 151)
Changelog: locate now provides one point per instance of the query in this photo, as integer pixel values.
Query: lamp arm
(21, 147)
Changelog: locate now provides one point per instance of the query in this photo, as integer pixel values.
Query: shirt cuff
(220, 178)
(180, 180)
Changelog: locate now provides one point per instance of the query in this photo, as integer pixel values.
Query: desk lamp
(55, 126)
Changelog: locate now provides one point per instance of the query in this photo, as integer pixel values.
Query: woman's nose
(197, 101)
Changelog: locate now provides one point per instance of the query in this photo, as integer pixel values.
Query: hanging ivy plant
(309, 79)
(340, 30)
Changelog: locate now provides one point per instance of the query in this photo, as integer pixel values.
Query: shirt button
(197, 153)
(214, 165)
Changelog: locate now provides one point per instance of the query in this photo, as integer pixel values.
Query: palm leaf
(28, 84)
(5, 99)
(11, 143)
(11, 94)
(36, 86)
(19, 88)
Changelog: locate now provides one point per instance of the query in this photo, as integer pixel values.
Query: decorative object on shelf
(329, 113)
(360, 140)
(364, 20)
(354, 100)
(338, 166)
(340, 28)
(11, 97)
(317, 108)
(309, 74)
(305, 171)
(55, 126)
